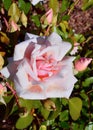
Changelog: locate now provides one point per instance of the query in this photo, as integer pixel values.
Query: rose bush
(40, 68)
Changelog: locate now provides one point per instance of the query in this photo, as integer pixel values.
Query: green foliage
(25, 6)
(45, 113)
(23, 122)
(28, 104)
(75, 106)
(79, 38)
(55, 113)
(14, 12)
(76, 126)
(7, 4)
(87, 4)
(64, 5)
(54, 5)
(64, 115)
(42, 127)
(36, 20)
(87, 82)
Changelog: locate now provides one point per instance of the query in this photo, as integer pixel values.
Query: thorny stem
(14, 93)
(3, 79)
(91, 37)
(71, 9)
(89, 91)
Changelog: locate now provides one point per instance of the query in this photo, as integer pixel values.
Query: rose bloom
(82, 63)
(40, 68)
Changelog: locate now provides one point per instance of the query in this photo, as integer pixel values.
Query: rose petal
(63, 47)
(49, 16)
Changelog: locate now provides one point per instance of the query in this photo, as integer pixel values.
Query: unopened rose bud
(14, 26)
(49, 16)
(82, 63)
(49, 104)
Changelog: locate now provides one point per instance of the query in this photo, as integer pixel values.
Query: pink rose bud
(14, 26)
(82, 63)
(49, 16)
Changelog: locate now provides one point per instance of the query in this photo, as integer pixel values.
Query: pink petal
(49, 16)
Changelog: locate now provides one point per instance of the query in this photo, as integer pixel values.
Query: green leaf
(14, 12)
(24, 19)
(87, 4)
(54, 114)
(54, 5)
(23, 122)
(7, 4)
(87, 82)
(84, 96)
(64, 101)
(8, 98)
(65, 125)
(42, 127)
(65, 17)
(44, 112)
(75, 106)
(24, 6)
(29, 103)
(65, 5)
(77, 126)
(64, 116)
(36, 20)
(63, 27)
(48, 122)
(79, 38)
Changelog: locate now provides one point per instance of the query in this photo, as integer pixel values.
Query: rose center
(47, 67)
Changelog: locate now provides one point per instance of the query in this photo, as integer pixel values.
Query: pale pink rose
(82, 63)
(49, 16)
(40, 68)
